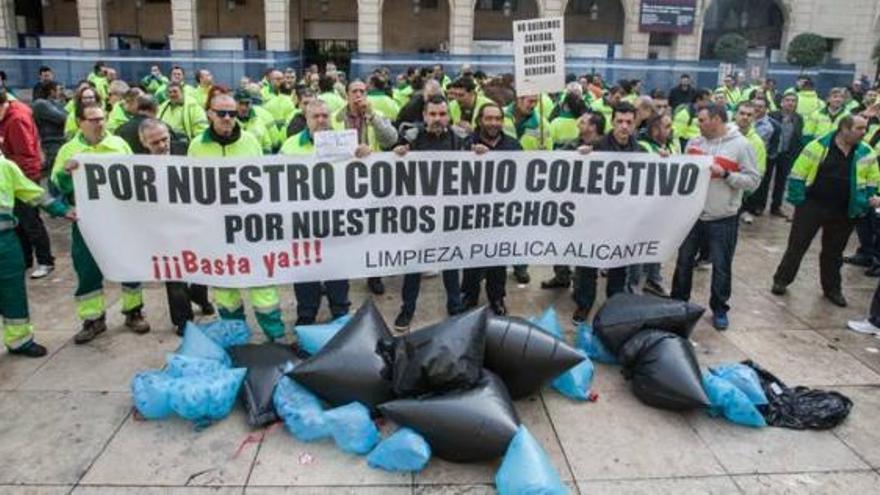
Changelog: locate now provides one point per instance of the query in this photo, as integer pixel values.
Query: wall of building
(246, 19)
(607, 28)
(60, 18)
(494, 25)
(405, 31)
(152, 21)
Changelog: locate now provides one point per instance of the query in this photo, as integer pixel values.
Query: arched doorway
(222, 21)
(762, 22)
(138, 24)
(493, 23)
(325, 30)
(594, 28)
(410, 26)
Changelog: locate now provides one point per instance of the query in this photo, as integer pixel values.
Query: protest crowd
(817, 152)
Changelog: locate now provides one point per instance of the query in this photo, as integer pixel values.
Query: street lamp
(416, 7)
(594, 10)
(507, 8)
(230, 5)
(325, 6)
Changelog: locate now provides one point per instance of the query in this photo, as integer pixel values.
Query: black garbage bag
(349, 367)
(524, 356)
(443, 357)
(624, 314)
(663, 370)
(800, 408)
(465, 426)
(266, 364)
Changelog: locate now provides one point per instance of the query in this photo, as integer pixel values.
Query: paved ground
(67, 423)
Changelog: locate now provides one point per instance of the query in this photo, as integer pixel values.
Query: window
(584, 7)
(495, 5)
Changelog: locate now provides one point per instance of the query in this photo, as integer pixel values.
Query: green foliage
(732, 48)
(807, 50)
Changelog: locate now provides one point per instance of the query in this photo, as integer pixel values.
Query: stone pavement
(66, 423)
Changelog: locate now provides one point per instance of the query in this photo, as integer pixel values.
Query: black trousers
(836, 228)
(496, 277)
(181, 295)
(777, 172)
(32, 234)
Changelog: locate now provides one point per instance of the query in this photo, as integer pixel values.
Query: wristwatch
(726, 174)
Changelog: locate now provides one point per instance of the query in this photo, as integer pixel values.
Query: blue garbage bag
(197, 344)
(526, 469)
(227, 333)
(178, 365)
(730, 401)
(575, 382)
(149, 392)
(744, 378)
(206, 398)
(404, 451)
(352, 428)
(311, 338)
(301, 411)
(587, 341)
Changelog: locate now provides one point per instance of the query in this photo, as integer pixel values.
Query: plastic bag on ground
(625, 314)
(587, 341)
(149, 393)
(301, 411)
(464, 426)
(744, 378)
(311, 338)
(442, 357)
(178, 365)
(349, 368)
(197, 344)
(404, 451)
(524, 355)
(800, 408)
(575, 382)
(352, 428)
(527, 469)
(730, 401)
(206, 398)
(227, 333)
(664, 371)
(266, 364)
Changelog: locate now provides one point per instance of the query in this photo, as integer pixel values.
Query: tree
(732, 48)
(807, 50)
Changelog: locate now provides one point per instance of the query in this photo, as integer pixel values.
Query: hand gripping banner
(246, 222)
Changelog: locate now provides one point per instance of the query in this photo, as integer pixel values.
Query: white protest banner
(539, 55)
(336, 145)
(245, 222)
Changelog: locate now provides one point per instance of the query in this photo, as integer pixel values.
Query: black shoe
(498, 308)
(778, 289)
(208, 309)
(778, 213)
(401, 323)
(836, 299)
(757, 212)
(304, 320)
(655, 288)
(376, 286)
(90, 329)
(521, 274)
(556, 283)
(469, 303)
(180, 330)
(580, 316)
(31, 350)
(874, 271)
(858, 260)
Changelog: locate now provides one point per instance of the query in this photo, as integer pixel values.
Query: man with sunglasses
(225, 138)
(90, 307)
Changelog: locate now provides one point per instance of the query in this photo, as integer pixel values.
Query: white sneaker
(41, 271)
(863, 326)
(747, 218)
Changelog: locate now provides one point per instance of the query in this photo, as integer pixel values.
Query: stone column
(277, 25)
(185, 25)
(635, 43)
(461, 27)
(370, 26)
(92, 24)
(8, 31)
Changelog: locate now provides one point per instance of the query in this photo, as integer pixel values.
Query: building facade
(593, 27)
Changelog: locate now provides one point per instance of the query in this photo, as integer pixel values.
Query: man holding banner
(734, 171)
(93, 138)
(225, 138)
(436, 135)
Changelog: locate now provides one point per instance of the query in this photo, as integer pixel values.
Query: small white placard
(336, 145)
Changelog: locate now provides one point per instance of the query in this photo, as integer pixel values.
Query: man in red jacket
(20, 142)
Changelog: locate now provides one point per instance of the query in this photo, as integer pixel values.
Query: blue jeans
(634, 274)
(868, 230)
(412, 283)
(720, 235)
(308, 298)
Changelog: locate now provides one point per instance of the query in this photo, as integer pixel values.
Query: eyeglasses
(225, 113)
